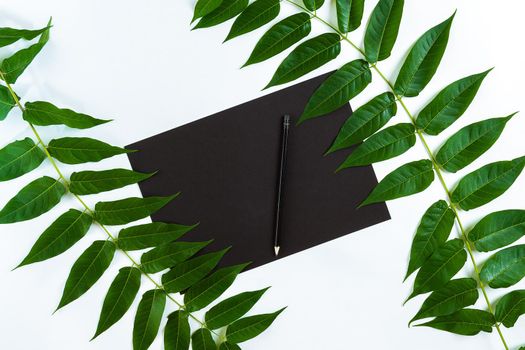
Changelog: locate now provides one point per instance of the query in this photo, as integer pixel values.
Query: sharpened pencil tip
(276, 250)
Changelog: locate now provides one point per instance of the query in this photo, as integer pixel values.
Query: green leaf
(432, 232)
(231, 309)
(450, 104)
(498, 230)
(382, 30)
(150, 235)
(440, 267)
(127, 210)
(510, 307)
(386, 144)
(349, 14)
(19, 158)
(313, 5)
(119, 298)
(505, 268)
(202, 340)
(169, 254)
(408, 179)
(423, 60)
(86, 271)
(307, 57)
(206, 291)
(255, 16)
(470, 143)
(44, 113)
(33, 200)
(454, 296)
(339, 88)
(7, 102)
(63, 233)
(77, 150)
(487, 183)
(91, 182)
(463, 322)
(249, 327)
(280, 37)
(186, 274)
(177, 333)
(225, 11)
(148, 318)
(204, 7)
(229, 346)
(365, 121)
(9, 36)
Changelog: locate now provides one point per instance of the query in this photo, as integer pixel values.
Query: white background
(138, 62)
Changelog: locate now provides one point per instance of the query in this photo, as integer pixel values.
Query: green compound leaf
(202, 340)
(204, 7)
(487, 183)
(313, 5)
(35, 199)
(9, 36)
(306, 57)
(87, 270)
(249, 327)
(255, 16)
(469, 143)
(386, 144)
(349, 14)
(433, 232)
(365, 121)
(498, 230)
(382, 30)
(169, 255)
(229, 346)
(339, 88)
(450, 104)
(78, 150)
(463, 322)
(423, 60)
(91, 182)
(440, 267)
(150, 235)
(177, 334)
(44, 113)
(510, 307)
(63, 233)
(233, 308)
(7, 102)
(148, 318)
(452, 297)
(119, 298)
(127, 210)
(280, 37)
(225, 11)
(19, 158)
(408, 179)
(505, 268)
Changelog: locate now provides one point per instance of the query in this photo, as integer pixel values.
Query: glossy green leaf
(87, 270)
(231, 309)
(119, 298)
(313, 5)
(349, 14)
(169, 254)
(446, 261)
(423, 60)
(255, 16)
(35, 199)
(450, 104)
(386, 144)
(63, 233)
(150, 235)
(487, 183)
(510, 307)
(204, 7)
(77, 150)
(280, 37)
(365, 121)
(127, 210)
(339, 88)
(463, 322)
(432, 232)
(225, 11)
(306, 57)
(498, 230)
(177, 334)
(382, 30)
(44, 113)
(452, 297)
(229, 346)
(249, 327)
(148, 318)
(505, 268)
(408, 179)
(186, 274)
(202, 339)
(91, 182)
(7, 102)
(469, 143)
(19, 158)
(9, 36)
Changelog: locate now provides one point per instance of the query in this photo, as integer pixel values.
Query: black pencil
(280, 183)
